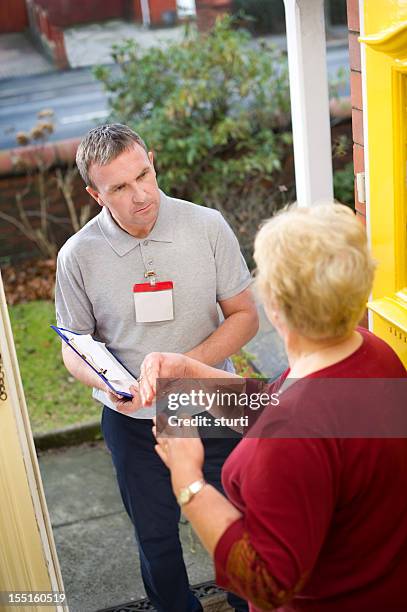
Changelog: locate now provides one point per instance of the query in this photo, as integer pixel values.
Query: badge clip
(152, 277)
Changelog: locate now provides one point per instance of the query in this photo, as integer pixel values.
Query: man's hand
(125, 406)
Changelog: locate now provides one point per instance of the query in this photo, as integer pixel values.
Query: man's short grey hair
(103, 144)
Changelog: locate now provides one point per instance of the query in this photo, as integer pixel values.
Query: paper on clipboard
(100, 359)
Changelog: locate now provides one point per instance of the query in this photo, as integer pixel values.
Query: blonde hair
(315, 268)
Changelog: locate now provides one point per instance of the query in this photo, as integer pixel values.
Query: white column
(306, 47)
(145, 12)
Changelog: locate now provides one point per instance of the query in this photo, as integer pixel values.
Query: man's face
(127, 186)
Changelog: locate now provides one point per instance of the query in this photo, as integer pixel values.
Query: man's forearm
(79, 370)
(229, 338)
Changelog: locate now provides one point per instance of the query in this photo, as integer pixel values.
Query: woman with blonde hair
(310, 523)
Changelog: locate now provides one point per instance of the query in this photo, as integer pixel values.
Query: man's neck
(134, 230)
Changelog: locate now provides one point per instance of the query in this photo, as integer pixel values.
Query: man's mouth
(143, 209)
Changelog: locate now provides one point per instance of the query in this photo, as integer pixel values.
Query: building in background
(46, 19)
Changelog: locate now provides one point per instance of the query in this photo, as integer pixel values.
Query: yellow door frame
(28, 557)
(385, 111)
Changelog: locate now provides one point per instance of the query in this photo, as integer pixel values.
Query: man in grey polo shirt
(147, 274)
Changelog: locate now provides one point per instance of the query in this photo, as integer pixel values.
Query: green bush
(211, 108)
(264, 16)
(344, 185)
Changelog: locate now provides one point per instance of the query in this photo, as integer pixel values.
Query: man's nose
(138, 193)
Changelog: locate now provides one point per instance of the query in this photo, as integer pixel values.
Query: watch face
(184, 496)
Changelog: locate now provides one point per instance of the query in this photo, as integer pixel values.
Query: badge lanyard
(153, 300)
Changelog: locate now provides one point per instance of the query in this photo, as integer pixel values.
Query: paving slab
(93, 534)
(91, 43)
(18, 56)
(267, 349)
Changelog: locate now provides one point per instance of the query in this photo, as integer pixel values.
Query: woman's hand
(183, 456)
(159, 365)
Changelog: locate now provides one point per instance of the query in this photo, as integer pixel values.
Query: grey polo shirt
(191, 245)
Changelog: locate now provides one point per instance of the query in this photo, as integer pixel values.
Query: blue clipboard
(99, 372)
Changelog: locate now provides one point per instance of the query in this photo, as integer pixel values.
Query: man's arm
(240, 325)
(79, 370)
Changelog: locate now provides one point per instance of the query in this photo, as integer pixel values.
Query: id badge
(153, 302)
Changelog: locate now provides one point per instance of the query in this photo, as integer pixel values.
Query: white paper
(100, 358)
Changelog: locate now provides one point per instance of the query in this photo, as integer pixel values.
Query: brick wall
(163, 12)
(13, 244)
(47, 34)
(13, 16)
(208, 10)
(356, 97)
(64, 14)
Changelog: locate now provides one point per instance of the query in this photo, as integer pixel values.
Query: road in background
(79, 100)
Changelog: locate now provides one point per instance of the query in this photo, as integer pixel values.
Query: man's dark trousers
(145, 487)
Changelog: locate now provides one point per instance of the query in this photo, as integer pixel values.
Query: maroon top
(324, 524)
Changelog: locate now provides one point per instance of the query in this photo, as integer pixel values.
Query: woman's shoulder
(379, 358)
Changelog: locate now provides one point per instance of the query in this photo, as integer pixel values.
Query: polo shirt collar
(122, 242)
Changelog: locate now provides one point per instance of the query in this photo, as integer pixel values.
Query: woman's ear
(274, 316)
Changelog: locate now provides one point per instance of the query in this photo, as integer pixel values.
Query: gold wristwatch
(187, 493)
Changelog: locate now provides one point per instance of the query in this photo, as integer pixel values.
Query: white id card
(153, 302)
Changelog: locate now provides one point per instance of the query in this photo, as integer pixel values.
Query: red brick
(13, 16)
(360, 207)
(158, 7)
(356, 89)
(12, 242)
(353, 15)
(207, 11)
(53, 153)
(66, 149)
(64, 14)
(138, 15)
(354, 52)
(361, 217)
(358, 158)
(6, 163)
(357, 126)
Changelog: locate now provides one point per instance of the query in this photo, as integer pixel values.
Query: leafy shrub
(344, 185)
(32, 216)
(264, 16)
(213, 108)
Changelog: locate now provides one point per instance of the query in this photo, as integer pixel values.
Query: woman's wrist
(183, 478)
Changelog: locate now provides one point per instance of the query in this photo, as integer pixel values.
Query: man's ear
(95, 195)
(151, 158)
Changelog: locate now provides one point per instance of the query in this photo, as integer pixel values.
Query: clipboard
(107, 369)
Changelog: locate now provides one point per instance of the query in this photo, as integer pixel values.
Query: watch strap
(187, 493)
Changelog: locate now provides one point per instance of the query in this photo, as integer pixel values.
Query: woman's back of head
(315, 268)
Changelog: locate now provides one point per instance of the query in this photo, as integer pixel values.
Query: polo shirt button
(145, 242)
(150, 263)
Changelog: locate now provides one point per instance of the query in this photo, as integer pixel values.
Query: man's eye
(119, 188)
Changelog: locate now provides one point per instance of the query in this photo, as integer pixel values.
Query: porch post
(309, 100)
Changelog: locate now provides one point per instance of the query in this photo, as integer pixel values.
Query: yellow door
(29, 570)
(384, 38)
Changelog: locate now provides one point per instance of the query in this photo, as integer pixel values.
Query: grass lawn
(54, 398)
